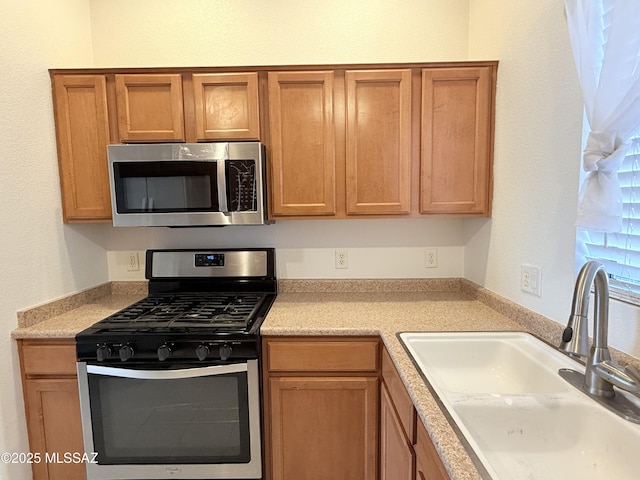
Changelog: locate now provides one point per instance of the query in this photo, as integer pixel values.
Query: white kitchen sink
(523, 421)
(488, 363)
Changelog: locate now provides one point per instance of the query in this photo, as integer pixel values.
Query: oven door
(184, 423)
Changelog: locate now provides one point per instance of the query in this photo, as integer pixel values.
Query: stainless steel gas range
(169, 387)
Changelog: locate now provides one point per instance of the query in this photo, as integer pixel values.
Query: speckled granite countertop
(64, 317)
(341, 307)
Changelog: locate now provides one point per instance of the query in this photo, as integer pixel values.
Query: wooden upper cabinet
(82, 132)
(457, 112)
(150, 107)
(342, 141)
(303, 159)
(226, 106)
(378, 141)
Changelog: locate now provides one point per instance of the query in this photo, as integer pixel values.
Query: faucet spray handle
(575, 337)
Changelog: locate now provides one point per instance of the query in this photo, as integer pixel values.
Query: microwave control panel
(241, 185)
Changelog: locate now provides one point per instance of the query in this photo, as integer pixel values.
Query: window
(620, 252)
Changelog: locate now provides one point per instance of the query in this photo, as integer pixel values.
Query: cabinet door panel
(396, 453)
(226, 106)
(150, 108)
(428, 463)
(324, 427)
(53, 420)
(456, 140)
(378, 142)
(82, 131)
(399, 396)
(302, 143)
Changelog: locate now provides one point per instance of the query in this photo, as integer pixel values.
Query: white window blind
(620, 252)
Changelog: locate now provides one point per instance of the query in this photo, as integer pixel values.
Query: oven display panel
(209, 260)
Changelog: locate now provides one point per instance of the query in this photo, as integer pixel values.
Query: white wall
(537, 151)
(389, 248)
(41, 258)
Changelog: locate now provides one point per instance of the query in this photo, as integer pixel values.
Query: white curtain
(605, 37)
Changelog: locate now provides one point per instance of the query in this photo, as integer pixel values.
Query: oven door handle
(167, 374)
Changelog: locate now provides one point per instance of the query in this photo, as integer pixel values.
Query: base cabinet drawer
(322, 356)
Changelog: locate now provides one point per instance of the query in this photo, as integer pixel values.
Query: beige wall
(41, 258)
(249, 32)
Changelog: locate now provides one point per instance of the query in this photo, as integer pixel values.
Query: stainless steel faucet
(601, 373)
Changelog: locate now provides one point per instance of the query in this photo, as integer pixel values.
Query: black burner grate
(211, 310)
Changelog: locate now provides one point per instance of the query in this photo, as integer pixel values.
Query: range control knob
(125, 352)
(103, 353)
(225, 351)
(202, 351)
(164, 352)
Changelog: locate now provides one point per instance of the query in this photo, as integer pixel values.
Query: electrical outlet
(531, 279)
(430, 258)
(132, 262)
(342, 258)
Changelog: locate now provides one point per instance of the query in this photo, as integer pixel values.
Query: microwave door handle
(222, 186)
(167, 374)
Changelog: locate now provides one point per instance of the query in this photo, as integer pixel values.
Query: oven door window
(166, 186)
(203, 419)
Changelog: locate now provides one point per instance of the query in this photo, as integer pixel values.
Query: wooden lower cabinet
(327, 415)
(406, 450)
(397, 425)
(428, 463)
(397, 460)
(321, 417)
(52, 407)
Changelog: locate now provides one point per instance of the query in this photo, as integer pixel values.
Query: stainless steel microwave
(188, 185)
